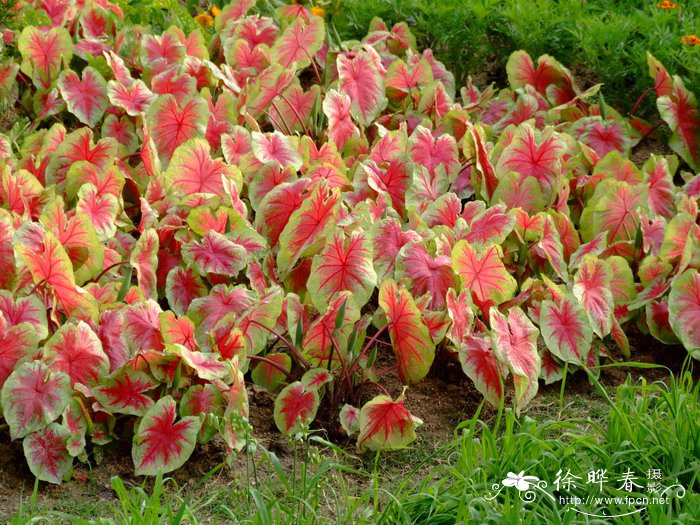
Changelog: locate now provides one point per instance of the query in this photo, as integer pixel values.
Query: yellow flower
(318, 11)
(204, 20)
(215, 11)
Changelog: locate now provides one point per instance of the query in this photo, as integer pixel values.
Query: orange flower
(690, 40)
(666, 4)
(318, 11)
(215, 11)
(204, 20)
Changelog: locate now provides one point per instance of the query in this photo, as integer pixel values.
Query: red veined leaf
(410, 337)
(475, 146)
(171, 123)
(299, 43)
(428, 274)
(8, 268)
(392, 180)
(295, 407)
(192, 170)
(592, 289)
(277, 207)
(519, 191)
(389, 238)
(18, 342)
(308, 227)
(43, 52)
(206, 311)
(86, 98)
(78, 146)
(269, 147)
(75, 420)
(492, 225)
(265, 312)
(385, 424)
(459, 309)
(269, 377)
(215, 253)
(680, 231)
(183, 286)
(341, 128)
(142, 326)
(77, 351)
(622, 284)
(565, 330)
(50, 264)
(661, 188)
(663, 83)
(161, 444)
(177, 330)
(144, 258)
(534, 153)
(315, 378)
(550, 247)
(24, 310)
(684, 309)
(522, 71)
(657, 317)
(679, 110)
(201, 399)
(109, 330)
(317, 342)
(350, 419)
(32, 397)
(595, 246)
(361, 80)
(206, 366)
(400, 82)
(344, 264)
(483, 273)
(514, 339)
(480, 364)
(124, 392)
(100, 208)
(294, 108)
(603, 136)
(613, 208)
(552, 370)
(134, 98)
(47, 454)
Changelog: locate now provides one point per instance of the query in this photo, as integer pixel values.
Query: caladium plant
(186, 211)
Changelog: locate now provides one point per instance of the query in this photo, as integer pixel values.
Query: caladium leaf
(483, 272)
(17, 344)
(362, 82)
(679, 110)
(592, 289)
(684, 309)
(565, 330)
(28, 310)
(32, 397)
(124, 392)
(613, 209)
(275, 147)
(202, 399)
(410, 337)
(100, 208)
(344, 264)
(315, 378)
(206, 365)
(144, 258)
(77, 421)
(514, 339)
(428, 274)
(192, 170)
(134, 98)
(522, 71)
(50, 264)
(299, 43)
(480, 364)
(77, 351)
(171, 123)
(295, 407)
(43, 52)
(182, 286)
(47, 454)
(385, 424)
(85, 97)
(317, 341)
(657, 317)
(307, 227)
(350, 419)
(269, 377)
(341, 128)
(215, 253)
(161, 444)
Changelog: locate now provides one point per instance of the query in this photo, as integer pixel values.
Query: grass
(642, 429)
(605, 39)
